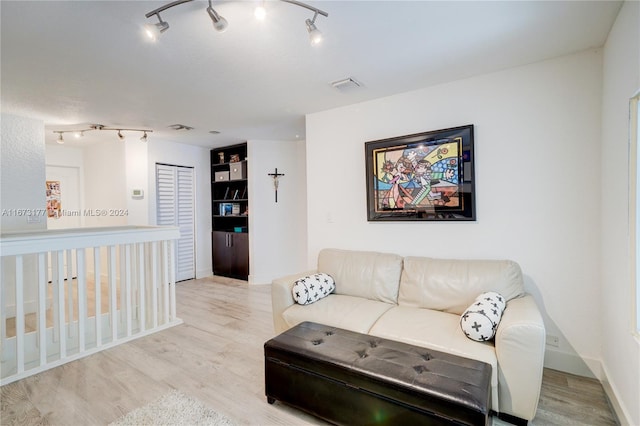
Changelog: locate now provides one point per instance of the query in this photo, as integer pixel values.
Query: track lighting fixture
(314, 33)
(220, 23)
(80, 132)
(154, 30)
(260, 12)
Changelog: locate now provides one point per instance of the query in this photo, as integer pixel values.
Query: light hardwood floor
(216, 356)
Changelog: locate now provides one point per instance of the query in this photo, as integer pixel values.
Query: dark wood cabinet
(230, 211)
(230, 254)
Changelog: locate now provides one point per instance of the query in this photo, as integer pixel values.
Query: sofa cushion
(452, 285)
(312, 288)
(349, 312)
(372, 275)
(439, 331)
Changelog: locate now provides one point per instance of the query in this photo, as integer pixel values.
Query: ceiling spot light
(120, 135)
(314, 33)
(60, 139)
(79, 134)
(143, 138)
(219, 23)
(153, 31)
(260, 12)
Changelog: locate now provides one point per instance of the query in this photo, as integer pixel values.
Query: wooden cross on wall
(276, 176)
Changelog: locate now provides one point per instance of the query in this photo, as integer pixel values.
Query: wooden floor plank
(216, 356)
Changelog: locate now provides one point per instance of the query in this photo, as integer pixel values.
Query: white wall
(277, 232)
(22, 196)
(537, 171)
(64, 156)
(178, 154)
(621, 350)
(105, 183)
(137, 177)
(22, 173)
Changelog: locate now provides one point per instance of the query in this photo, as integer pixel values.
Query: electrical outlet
(553, 341)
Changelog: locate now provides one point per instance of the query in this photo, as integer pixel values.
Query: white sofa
(419, 300)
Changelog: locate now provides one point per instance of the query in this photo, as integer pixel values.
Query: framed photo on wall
(424, 177)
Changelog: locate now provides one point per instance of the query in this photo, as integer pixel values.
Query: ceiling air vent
(180, 127)
(346, 84)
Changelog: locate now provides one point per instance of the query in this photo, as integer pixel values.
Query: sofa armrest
(282, 298)
(520, 344)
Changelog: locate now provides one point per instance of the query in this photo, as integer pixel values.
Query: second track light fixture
(80, 132)
(220, 23)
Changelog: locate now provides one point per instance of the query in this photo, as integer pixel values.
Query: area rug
(174, 408)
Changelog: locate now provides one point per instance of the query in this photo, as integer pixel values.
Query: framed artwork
(54, 199)
(426, 177)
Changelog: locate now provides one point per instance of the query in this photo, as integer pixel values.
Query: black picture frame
(422, 177)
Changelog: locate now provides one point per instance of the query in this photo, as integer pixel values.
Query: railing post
(127, 291)
(20, 314)
(82, 298)
(165, 281)
(62, 332)
(172, 284)
(42, 308)
(113, 305)
(97, 286)
(69, 287)
(154, 282)
(142, 315)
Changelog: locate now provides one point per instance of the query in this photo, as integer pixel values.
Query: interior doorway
(175, 201)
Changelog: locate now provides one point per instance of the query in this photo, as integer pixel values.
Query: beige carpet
(174, 408)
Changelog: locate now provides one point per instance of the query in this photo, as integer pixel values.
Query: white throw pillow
(480, 320)
(312, 288)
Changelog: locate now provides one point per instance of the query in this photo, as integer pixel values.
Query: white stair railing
(66, 294)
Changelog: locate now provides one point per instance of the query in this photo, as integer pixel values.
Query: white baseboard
(260, 279)
(592, 368)
(30, 306)
(574, 364)
(623, 415)
(203, 273)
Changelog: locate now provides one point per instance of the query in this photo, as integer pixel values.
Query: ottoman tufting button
(420, 369)
(427, 356)
(317, 342)
(362, 354)
(329, 333)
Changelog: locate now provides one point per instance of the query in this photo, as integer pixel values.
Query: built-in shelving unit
(230, 211)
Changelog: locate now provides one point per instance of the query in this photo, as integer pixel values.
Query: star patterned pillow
(312, 288)
(480, 320)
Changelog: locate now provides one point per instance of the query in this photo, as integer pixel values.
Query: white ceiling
(72, 63)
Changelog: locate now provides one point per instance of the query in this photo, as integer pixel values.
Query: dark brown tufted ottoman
(356, 379)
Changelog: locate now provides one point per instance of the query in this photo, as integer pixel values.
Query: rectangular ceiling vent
(346, 83)
(180, 127)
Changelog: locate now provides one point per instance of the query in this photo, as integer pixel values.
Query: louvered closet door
(175, 207)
